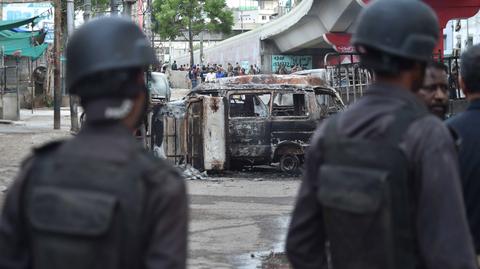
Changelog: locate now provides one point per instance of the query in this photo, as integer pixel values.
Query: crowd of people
(211, 72)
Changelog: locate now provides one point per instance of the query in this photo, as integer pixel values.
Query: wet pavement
(241, 219)
(237, 218)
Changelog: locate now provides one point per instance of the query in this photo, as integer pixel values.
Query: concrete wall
(9, 111)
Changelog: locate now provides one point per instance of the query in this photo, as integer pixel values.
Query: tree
(188, 18)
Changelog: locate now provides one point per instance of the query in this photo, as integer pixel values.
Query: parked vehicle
(248, 120)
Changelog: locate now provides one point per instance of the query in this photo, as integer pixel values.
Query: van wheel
(289, 163)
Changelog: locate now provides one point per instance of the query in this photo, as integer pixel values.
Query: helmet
(106, 44)
(404, 28)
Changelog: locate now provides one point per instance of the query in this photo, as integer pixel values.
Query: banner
(290, 60)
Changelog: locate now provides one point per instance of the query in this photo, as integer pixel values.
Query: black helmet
(106, 44)
(404, 28)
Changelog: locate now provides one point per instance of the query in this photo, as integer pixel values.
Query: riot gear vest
(86, 213)
(368, 198)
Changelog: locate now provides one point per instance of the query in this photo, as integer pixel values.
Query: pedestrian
(382, 187)
(237, 69)
(220, 73)
(210, 77)
(257, 69)
(467, 125)
(229, 70)
(98, 200)
(203, 73)
(251, 70)
(453, 82)
(174, 65)
(193, 76)
(434, 91)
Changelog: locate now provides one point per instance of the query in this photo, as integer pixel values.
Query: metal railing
(349, 79)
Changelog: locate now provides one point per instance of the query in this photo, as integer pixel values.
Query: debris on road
(191, 173)
(275, 261)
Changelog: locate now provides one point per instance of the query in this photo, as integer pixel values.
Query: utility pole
(127, 7)
(87, 13)
(201, 48)
(57, 90)
(73, 99)
(113, 7)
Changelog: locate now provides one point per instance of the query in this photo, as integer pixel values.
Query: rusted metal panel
(213, 121)
(194, 134)
(249, 138)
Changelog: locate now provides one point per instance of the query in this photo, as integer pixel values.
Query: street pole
(87, 13)
(113, 7)
(201, 48)
(127, 8)
(57, 90)
(73, 99)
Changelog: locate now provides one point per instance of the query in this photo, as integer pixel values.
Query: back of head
(391, 35)
(470, 69)
(106, 57)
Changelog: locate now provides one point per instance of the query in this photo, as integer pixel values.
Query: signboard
(290, 60)
(245, 65)
(27, 10)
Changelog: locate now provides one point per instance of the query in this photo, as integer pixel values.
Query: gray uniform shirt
(443, 236)
(164, 229)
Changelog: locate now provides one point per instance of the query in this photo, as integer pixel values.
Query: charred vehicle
(252, 120)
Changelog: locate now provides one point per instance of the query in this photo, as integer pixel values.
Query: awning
(31, 52)
(9, 24)
(23, 43)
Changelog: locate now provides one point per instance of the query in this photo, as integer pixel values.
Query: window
(264, 17)
(249, 105)
(327, 104)
(289, 104)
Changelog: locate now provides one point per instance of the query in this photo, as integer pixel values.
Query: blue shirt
(467, 125)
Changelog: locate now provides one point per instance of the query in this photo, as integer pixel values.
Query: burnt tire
(289, 163)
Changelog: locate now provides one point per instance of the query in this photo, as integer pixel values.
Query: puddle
(274, 258)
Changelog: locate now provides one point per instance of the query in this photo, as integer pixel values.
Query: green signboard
(290, 60)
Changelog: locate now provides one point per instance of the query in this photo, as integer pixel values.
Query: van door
(249, 127)
(292, 124)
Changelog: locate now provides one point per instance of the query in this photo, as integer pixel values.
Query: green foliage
(173, 18)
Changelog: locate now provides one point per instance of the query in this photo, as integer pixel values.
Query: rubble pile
(189, 172)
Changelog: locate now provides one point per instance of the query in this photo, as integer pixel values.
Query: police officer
(98, 200)
(382, 188)
(467, 124)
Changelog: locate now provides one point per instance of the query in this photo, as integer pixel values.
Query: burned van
(254, 120)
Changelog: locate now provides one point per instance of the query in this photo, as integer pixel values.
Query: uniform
(150, 234)
(430, 151)
(382, 187)
(99, 200)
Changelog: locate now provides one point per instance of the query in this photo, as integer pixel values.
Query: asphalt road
(236, 218)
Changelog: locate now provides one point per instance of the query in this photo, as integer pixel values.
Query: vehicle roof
(263, 82)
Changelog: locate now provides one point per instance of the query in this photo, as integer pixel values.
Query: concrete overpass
(296, 34)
